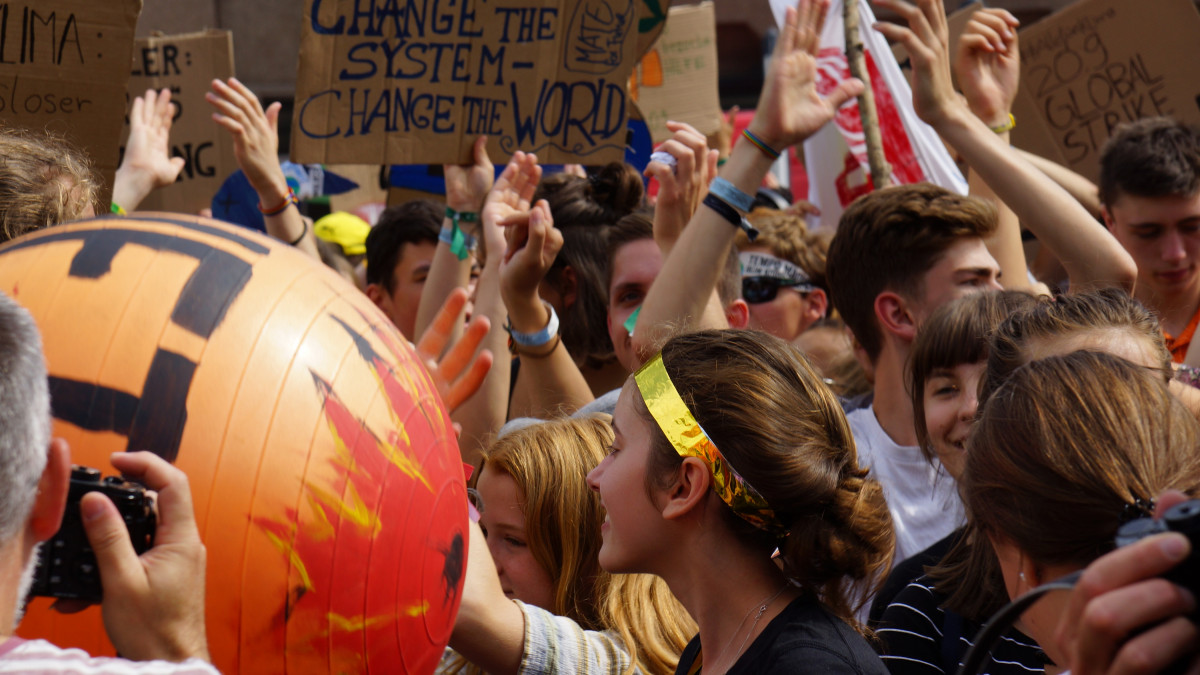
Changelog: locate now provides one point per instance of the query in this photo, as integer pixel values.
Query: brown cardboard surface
(63, 68)
(677, 79)
(187, 64)
(1099, 63)
(415, 82)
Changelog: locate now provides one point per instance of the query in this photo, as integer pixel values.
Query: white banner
(836, 156)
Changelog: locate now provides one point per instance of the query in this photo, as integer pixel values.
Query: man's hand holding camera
(153, 604)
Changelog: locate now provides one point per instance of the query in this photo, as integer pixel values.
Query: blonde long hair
(549, 463)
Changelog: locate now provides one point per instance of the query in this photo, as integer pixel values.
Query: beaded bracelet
(288, 201)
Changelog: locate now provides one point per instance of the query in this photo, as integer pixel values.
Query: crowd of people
(709, 438)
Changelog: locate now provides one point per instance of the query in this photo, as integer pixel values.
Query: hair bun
(617, 186)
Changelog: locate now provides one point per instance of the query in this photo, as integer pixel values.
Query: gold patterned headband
(689, 440)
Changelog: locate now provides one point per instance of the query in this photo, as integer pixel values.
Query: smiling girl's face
(951, 399)
(503, 523)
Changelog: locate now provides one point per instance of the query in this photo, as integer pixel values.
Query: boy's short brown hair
(888, 240)
(1152, 157)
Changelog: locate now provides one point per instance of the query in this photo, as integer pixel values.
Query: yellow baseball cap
(344, 229)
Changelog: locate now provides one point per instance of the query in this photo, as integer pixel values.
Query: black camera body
(1182, 518)
(66, 566)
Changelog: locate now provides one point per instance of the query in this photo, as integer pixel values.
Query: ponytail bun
(851, 540)
(618, 188)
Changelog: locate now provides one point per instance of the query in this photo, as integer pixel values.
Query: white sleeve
(556, 645)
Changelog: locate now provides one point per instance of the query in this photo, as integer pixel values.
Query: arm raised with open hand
(1092, 257)
(789, 110)
(147, 164)
(255, 132)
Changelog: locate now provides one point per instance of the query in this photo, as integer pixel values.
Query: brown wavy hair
(44, 181)
(775, 420)
(1062, 446)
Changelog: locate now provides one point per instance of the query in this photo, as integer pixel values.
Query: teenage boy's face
(966, 267)
(1163, 236)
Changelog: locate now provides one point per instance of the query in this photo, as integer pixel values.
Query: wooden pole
(881, 172)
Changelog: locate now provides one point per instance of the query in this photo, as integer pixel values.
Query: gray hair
(24, 415)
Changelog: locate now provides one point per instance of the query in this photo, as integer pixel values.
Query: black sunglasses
(757, 290)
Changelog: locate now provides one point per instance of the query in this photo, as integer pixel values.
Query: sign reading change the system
(415, 81)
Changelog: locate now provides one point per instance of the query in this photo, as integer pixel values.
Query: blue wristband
(730, 194)
(540, 338)
(460, 242)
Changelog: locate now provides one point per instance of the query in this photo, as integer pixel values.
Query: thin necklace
(762, 609)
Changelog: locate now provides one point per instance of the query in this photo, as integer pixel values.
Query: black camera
(1182, 518)
(66, 566)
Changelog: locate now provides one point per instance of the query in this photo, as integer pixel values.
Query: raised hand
(467, 186)
(533, 244)
(926, 37)
(790, 109)
(147, 164)
(255, 134)
(681, 187)
(459, 372)
(988, 65)
(511, 195)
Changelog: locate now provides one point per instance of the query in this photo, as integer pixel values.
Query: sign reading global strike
(415, 81)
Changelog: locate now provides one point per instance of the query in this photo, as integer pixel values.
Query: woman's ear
(688, 491)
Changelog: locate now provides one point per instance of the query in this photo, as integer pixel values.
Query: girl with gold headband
(713, 467)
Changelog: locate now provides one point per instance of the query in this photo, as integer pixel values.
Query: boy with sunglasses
(783, 274)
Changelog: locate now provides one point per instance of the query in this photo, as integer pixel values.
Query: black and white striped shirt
(918, 637)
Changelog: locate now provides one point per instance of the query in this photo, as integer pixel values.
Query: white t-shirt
(39, 656)
(922, 497)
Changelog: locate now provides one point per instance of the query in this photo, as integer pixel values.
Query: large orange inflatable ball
(325, 473)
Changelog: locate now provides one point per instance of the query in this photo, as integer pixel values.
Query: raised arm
(549, 383)
(789, 110)
(681, 188)
(147, 164)
(988, 66)
(482, 415)
(466, 188)
(255, 134)
(1092, 257)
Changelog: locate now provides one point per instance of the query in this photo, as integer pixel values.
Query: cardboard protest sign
(1099, 63)
(677, 79)
(187, 64)
(414, 81)
(63, 68)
